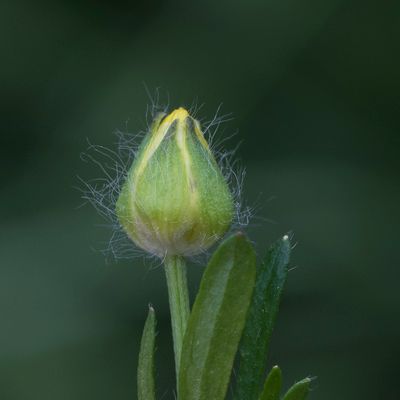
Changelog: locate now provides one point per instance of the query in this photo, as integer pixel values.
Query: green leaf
(272, 386)
(217, 320)
(145, 373)
(271, 277)
(299, 390)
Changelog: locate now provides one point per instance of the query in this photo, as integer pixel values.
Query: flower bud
(175, 200)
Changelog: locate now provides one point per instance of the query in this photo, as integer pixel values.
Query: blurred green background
(314, 90)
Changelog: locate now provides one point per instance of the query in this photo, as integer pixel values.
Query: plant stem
(175, 270)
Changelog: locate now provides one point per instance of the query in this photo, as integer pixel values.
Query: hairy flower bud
(175, 200)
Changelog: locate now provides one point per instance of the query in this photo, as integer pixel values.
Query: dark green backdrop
(314, 90)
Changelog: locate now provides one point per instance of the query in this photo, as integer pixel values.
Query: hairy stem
(175, 270)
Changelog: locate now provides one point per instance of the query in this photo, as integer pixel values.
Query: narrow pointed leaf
(299, 390)
(272, 386)
(217, 320)
(271, 277)
(145, 373)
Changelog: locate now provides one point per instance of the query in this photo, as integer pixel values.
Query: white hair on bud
(233, 172)
(103, 192)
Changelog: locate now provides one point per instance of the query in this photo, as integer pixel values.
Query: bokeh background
(313, 87)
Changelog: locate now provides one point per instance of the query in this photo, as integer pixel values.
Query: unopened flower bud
(175, 200)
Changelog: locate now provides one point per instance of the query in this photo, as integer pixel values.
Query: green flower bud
(175, 200)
